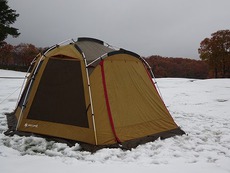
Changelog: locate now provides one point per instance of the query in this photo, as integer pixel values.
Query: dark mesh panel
(60, 94)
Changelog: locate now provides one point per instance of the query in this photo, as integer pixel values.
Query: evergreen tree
(7, 17)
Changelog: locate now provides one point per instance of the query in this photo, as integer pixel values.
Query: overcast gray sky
(172, 28)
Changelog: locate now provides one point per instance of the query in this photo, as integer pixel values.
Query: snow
(200, 107)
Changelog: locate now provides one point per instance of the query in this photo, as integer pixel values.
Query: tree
(216, 52)
(17, 57)
(24, 54)
(177, 67)
(7, 17)
(6, 52)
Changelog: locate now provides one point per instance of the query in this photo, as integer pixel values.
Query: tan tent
(89, 92)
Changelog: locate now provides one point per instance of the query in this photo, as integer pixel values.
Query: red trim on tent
(150, 77)
(107, 102)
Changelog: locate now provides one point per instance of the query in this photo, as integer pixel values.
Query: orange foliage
(17, 57)
(178, 67)
(216, 52)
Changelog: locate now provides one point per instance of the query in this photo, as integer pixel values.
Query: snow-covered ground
(200, 107)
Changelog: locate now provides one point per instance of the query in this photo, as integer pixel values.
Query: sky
(170, 28)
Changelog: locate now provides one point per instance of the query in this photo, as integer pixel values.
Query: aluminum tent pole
(26, 77)
(152, 75)
(27, 92)
(90, 97)
(100, 57)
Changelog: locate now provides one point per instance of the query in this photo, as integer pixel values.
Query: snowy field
(200, 107)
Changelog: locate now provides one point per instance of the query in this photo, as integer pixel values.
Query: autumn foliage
(215, 51)
(178, 67)
(17, 57)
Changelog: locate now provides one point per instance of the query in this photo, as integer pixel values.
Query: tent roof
(92, 48)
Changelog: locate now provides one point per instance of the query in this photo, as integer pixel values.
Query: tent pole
(27, 93)
(90, 97)
(26, 77)
(152, 75)
(100, 57)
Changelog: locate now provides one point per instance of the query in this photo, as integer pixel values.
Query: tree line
(20, 56)
(17, 57)
(178, 67)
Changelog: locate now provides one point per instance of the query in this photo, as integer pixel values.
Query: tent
(85, 90)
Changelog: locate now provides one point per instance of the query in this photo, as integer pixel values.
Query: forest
(20, 56)
(17, 57)
(178, 67)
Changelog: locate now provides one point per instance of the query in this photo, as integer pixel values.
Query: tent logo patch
(31, 125)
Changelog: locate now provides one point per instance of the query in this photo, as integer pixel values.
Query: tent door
(60, 94)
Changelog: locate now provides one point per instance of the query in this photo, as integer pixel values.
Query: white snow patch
(200, 107)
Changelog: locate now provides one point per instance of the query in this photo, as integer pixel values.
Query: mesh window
(60, 94)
